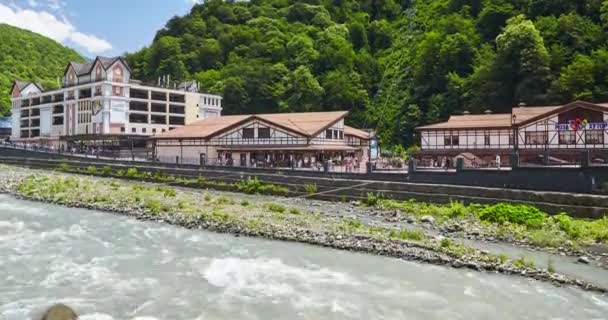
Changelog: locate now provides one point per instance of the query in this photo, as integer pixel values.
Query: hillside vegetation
(28, 56)
(394, 64)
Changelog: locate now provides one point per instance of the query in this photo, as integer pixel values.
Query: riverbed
(113, 267)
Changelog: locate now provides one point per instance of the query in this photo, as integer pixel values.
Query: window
(567, 137)
(264, 133)
(153, 130)
(143, 130)
(163, 130)
(450, 140)
(122, 129)
(536, 137)
(486, 139)
(248, 133)
(133, 130)
(341, 135)
(594, 137)
(328, 134)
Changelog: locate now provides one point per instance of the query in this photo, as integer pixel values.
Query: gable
(275, 132)
(568, 110)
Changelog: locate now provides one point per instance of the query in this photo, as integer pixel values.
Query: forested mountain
(394, 64)
(25, 55)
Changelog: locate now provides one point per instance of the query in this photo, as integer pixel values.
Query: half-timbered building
(557, 134)
(281, 139)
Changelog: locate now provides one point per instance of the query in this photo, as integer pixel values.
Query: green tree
(304, 93)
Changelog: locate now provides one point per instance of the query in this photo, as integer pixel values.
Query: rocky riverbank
(244, 215)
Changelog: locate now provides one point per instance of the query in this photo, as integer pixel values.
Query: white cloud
(49, 25)
(32, 3)
(55, 4)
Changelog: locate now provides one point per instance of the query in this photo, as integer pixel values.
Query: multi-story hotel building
(99, 99)
(558, 134)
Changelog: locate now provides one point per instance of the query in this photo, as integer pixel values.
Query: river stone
(427, 219)
(583, 259)
(60, 312)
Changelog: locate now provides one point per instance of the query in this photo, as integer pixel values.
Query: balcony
(159, 96)
(139, 94)
(177, 109)
(177, 98)
(177, 121)
(138, 106)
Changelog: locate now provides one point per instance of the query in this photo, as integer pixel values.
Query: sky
(94, 27)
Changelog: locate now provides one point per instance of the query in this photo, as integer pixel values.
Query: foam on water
(109, 267)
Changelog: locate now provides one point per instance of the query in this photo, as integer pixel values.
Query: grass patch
(406, 234)
(275, 207)
(310, 188)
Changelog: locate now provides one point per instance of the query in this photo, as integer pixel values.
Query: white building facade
(100, 99)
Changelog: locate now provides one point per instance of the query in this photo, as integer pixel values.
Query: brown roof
(204, 128)
(471, 121)
(350, 131)
(526, 113)
(308, 124)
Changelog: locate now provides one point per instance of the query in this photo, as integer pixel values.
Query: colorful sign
(581, 124)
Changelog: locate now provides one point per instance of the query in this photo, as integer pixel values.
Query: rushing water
(112, 267)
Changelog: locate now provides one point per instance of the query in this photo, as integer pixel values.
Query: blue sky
(94, 27)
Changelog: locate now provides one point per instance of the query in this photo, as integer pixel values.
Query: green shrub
(154, 206)
(295, 211)
(244, 203)
(352, 224)
(524, 263)
(406, 234)
(274, 207)
(207, 197)
(107, 171)
(568, 225)
(92, 170)
(446, 243)
(550, 265)
(255, 186)
(167, 191)
(310, 188)
(224, 200)
(131, 173)
(66, 167)
(503, 258)
(120, 173)
(526, 215)
(546, 238)
(372, 199)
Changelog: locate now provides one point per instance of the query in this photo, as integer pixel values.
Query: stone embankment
(280, 224)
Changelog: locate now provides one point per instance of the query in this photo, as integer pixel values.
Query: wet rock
(60, 312)
(583, 259)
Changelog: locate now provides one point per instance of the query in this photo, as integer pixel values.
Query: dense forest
(394, 64)
(25, 55)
